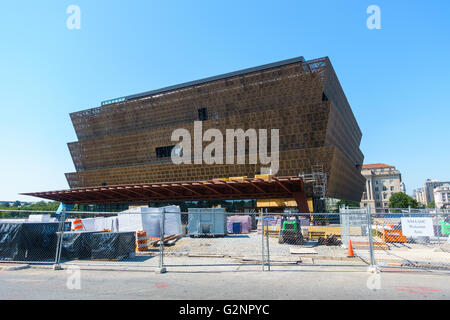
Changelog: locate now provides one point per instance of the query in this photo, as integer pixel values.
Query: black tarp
(77, 245)
(38, 241)
(112, 245)
(28, 241)
(9, 240)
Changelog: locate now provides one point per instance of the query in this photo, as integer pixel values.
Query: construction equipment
(290, 231)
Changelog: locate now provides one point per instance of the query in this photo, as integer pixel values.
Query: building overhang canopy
(226, 189)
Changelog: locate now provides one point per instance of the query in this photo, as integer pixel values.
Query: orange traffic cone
(350, 253)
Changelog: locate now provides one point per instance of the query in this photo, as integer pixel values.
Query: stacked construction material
(100, 224)
(149, 220)
(40, 218)
(244, 221)
(274, 225)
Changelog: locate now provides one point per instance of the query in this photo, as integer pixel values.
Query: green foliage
(345, 203)
(38, 206)
(43, 206)
(402, 200)
(432, 204)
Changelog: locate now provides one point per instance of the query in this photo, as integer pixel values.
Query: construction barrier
(167, 238)
(141, 242)
(77, 225)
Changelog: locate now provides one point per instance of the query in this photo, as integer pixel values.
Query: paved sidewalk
(225, 282)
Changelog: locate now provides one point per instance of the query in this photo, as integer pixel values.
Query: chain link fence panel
(157, 238)
(412, 239)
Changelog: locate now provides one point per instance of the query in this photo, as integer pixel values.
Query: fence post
(60, 235)
(369, 230)
(267, 242)
(262, 238)
(438, 228)
(344, 220)
(161, 268)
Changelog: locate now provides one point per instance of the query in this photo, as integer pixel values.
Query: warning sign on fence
(417, 227)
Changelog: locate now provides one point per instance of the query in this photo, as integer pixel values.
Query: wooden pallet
(316, 234)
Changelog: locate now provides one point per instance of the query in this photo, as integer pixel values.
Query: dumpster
(207, 222)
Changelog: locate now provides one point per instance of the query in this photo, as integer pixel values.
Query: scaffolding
(318, 179)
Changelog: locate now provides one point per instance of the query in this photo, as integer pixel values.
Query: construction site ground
(245, 249)
(240, 249)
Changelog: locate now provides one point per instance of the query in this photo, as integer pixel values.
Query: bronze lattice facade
(125, 141)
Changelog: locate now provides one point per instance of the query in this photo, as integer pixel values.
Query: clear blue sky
(396, 79)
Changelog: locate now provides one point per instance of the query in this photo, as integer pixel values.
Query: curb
(16, 267)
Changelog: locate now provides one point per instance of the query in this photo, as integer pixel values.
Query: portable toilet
(210, 222)
(236, 227)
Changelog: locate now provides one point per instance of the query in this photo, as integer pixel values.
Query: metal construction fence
(166, 239)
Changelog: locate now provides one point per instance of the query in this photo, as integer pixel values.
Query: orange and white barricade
(141, 241)
(77, 225)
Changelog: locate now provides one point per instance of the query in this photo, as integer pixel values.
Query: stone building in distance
(382, 181)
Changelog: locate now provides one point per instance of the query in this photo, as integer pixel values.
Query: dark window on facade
(324, 97)
(202, 114)
(164, 152)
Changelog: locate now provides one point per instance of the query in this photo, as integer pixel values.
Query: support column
(302, 201)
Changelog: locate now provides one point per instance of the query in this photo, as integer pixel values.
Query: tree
(343, 203)
(347, 203)
(402, 200)
(431, 204)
